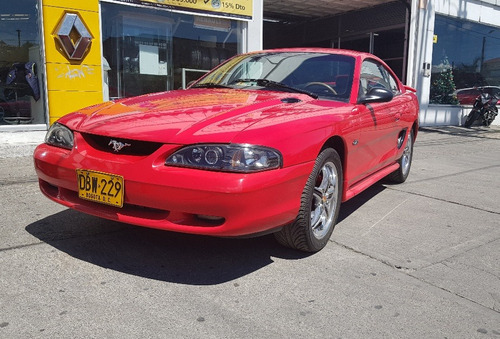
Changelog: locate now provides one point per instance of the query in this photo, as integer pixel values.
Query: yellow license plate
(100, 187)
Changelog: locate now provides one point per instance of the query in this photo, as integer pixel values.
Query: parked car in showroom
(269, 141)
(467, 96)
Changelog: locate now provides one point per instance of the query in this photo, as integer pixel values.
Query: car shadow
(155, 254)
(168, 256)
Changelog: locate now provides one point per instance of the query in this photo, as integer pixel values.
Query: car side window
(393, 84)
(374, 74)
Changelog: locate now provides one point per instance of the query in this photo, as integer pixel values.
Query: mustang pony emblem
(117, 145)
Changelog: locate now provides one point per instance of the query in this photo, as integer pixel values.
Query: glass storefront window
(157, 50)
(466, 55)
(20, 63)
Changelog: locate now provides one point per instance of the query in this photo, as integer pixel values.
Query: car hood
(185, 116)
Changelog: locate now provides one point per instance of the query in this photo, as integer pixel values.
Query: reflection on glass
(328, 76)
(157, 50)
(20, 97)
(466, 55)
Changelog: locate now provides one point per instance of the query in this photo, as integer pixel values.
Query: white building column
(254, 32)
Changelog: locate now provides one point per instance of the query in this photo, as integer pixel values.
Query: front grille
(121, 146)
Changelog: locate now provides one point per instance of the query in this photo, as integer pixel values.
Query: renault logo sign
(73, 36)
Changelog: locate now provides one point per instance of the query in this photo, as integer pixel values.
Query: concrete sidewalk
(417, 260)
(19, 144)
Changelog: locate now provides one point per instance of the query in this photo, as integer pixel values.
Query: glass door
(21, 77)
(139, 53)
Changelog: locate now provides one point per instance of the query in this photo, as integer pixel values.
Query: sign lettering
(229, 8)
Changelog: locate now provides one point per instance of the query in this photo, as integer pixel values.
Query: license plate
(100, 187)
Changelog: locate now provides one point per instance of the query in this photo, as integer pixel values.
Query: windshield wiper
(271, 83)
(209, 85)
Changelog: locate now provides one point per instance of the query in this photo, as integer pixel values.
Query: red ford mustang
(268, 141)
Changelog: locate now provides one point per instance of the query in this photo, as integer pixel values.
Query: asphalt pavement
(417, 260)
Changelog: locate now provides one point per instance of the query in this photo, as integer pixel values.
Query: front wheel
(319, 208)
(473, 115)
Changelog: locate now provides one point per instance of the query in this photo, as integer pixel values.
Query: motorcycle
(484, 108)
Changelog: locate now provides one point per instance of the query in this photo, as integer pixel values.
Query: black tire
(319, 207)
(399, 176)
(473, 115)
(491, 114)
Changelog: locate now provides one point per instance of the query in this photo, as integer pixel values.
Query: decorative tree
(443, 86)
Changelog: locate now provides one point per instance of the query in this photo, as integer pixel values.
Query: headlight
(230, 158)
(60, 136)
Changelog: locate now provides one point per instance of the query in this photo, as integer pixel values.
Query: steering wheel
(309, 84)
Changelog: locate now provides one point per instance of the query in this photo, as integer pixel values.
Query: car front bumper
(173, 198)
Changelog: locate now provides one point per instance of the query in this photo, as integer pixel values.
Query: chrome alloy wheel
(406, 158)
(319, 206)
(324, 200)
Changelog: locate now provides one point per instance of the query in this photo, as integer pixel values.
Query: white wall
(254, 31)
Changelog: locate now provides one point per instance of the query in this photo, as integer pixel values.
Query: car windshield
(323, 75)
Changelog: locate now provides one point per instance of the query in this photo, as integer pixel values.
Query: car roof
(318, 50)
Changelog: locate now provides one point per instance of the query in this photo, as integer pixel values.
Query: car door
(378, 122)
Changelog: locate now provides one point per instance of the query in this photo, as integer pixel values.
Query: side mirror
(377, 94)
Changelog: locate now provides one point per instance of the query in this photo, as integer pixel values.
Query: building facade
(57, 56)
(454, 47)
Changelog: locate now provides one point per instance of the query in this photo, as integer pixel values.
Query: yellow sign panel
(435, 39)
(73, 63)
(231, 8)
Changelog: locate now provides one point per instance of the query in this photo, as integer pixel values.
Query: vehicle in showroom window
(269, 141)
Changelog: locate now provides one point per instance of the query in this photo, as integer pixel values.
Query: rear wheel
(490, 116)
(319, 209)
(399, 176)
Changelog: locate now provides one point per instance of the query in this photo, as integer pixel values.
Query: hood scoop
(290, 100)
